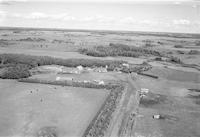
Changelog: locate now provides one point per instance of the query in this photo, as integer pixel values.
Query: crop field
(81, 83)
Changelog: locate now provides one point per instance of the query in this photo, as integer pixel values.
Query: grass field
(28, 108)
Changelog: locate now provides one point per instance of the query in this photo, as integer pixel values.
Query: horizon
(90, 30)
(168, 16)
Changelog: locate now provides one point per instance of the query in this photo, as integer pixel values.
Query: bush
(178, 46)
(148, 43)
(175, 60)
(197, 43)
(32, 39)
(16, 72)
(118, 50)
(158, 59)
(34, 61)
(194, 52)
(180, 52)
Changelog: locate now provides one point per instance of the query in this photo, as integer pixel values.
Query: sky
(132, 15)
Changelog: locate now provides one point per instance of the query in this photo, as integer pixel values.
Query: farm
(58, 83)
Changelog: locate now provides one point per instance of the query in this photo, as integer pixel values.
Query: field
(173, 99)
(60, 83)
(28, 108)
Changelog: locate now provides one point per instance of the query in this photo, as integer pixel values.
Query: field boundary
(70, 83)
(101, 122)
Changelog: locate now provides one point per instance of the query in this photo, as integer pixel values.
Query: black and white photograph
(99, 68)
